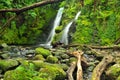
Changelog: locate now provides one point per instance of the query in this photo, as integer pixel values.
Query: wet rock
(65, 61)
(64, 66)
(113, 72)
(65, 56)
(4, 45)
(8, 64)
(52, 59)
(5, 56)
(42, 51)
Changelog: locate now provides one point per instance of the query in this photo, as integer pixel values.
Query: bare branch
(38, 4)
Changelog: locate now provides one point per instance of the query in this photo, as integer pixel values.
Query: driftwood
(38, 4)
(101, 67)
(70, 70)
(78, 55)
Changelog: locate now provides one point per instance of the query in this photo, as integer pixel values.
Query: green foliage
(114, 71)
(28, 26)
(98, 24)
(21, 73)
(4, 64)
(51, 71)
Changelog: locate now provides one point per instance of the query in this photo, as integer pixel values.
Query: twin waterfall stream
(64, 38)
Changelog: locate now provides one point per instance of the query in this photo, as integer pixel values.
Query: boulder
(8, 64)
(42, 51)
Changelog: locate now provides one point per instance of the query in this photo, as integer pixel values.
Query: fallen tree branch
(78, 55)
(101, 67)
(70, 70)
(38, 4)
(114, 47)
(105, 47)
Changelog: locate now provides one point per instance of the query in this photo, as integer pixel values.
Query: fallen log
(71, 70)
(114, 47)
(98, 70)
(78, 55)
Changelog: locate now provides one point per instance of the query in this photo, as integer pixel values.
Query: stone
(42, 51)
(52, 59)
(39, 57)
(65, 56)
(5, 56)
(7, 64)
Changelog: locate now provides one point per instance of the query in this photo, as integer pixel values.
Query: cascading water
(64, 38)
(52, 33)
(56, 24)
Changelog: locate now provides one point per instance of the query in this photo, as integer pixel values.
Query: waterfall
(64, 38)
(56, 24)
(52, 33)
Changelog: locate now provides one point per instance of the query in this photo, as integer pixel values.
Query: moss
(7, 64)
(114, 71)
(52, 59)
(52, 72)
(27, 27)
(21, 73)
(42, 51)
(27, 71)
(39, 57)
(49, 70)
(58, 29)
(72, 59)
(118, 78)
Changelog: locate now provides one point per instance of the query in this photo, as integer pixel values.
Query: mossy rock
(72, 59)
(64, 66)
(7, 64)
(58, 29)
(113, 72)
(52, 59)
(50, 71)
(39, 57)
(42, 51)
(65, 56)
(21, 73)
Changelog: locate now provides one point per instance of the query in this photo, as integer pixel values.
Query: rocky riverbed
(37, 63)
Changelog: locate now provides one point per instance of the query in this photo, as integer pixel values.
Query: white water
(64, 38)
(52, 33)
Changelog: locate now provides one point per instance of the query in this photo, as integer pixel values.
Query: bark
(71, 70)
(101, 67)
(78, 54)
(38, 4)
